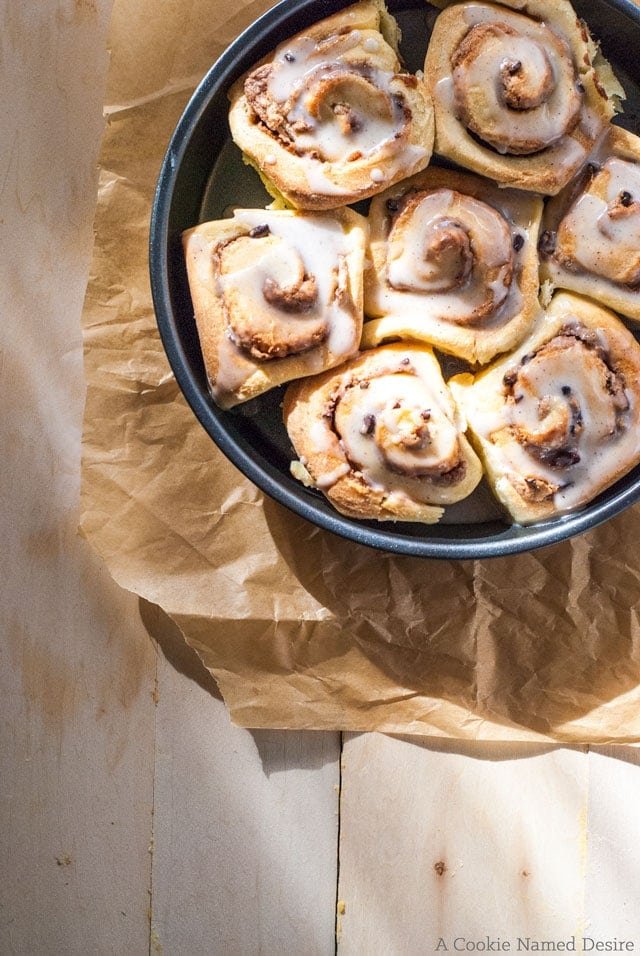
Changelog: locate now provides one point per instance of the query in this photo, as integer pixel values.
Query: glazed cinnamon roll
(519, 96)
(381, 436)
(591, 235)
(454, 263)
(558, 421)
(276, 295)
(329, 118)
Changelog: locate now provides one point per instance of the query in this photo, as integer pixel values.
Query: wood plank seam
(338, 913)
(154, 942)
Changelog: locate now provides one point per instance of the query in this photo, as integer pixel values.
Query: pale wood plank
(612, 892)
(442, 842)
(245, 827)
(76, 791)
(76, 667)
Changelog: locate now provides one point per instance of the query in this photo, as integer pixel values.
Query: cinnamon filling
(450, 244)
(517, 92)
(332, 111)
(386, 428)
(564, 398)
(270, 299)
(292, 298)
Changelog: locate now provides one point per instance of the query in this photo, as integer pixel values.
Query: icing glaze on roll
(514, 82)
(276, 294)
(381, 437)
(591, 239)
(333, 113)
(284, 286)
(517, 95)
(399, 425)
(603, 227)
(454, 245)
(454, 264)
(270, 297)
(564, 404)
(558, 422)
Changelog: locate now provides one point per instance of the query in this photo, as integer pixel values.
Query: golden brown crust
(454, 264)
(381, 437)
(517, 93)
(329, 118)
(591, 231)
(276, 295)
(557, 421)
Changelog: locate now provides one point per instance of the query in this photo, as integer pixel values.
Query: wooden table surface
(134, 817)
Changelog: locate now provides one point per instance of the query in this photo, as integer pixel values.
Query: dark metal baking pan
(203, 176)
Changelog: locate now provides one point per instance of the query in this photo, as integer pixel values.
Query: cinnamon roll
(276, 295)
(329, 118)
(520, 91)
(557, 421)
(591, 235)
(381, 436)
(454, 263)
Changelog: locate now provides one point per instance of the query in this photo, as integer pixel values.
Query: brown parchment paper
(302, 629)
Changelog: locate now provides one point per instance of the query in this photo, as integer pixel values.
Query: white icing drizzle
(321, 245)
(323, 439)
(417, 284)
(292, 62)
(603, 243)
(488, 243)
(318, 180)
(272, 260)
(561, 390)
(539, 49)
(313, 246)
(329, 478)
(374, 454)
(564, 148)
(567, 151)
(339, 113)
(301, 73)
(400, 432)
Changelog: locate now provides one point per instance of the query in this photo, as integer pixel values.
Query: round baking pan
(203, 177)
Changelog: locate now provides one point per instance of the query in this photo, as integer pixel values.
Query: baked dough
(520, 90)
(591, 233)
(276, 295)
(557, 421)
(454, 263)
(329, 118)
(381, 436)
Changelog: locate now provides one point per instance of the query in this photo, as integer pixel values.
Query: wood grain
(76, 667)
(455, 845)
(119, 769)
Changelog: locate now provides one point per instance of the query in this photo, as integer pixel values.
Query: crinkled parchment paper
(302, 629)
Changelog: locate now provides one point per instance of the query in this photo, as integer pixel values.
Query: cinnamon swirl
(454, 263)
(329, 118)
(381, 436)
(558, 421)
(276, 295)
(591, 234)
(520, 90)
